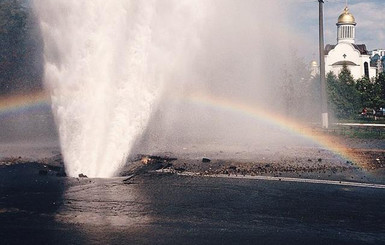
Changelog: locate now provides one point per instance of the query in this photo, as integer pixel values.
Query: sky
(369, 15)
(303, 18)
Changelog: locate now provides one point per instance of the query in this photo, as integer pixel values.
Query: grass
(359, 132)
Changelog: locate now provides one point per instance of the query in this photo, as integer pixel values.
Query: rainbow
(17, 104)
(262, 115)
(23, 103)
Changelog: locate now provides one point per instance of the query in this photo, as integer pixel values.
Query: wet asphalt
(158, 208)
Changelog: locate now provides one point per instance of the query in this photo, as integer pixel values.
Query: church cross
(344, 56)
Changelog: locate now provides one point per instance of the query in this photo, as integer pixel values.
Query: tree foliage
(347, 97)
(20, 48)
(298, 91)
(369, 93)
(343, 97)
(380, 88)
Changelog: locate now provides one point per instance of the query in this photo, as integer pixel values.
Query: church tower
(346, 52)
(346, 27)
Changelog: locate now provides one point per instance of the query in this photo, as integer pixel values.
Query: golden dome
(346, 17)
(314, 63)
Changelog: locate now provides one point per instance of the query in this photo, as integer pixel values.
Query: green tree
(380, 88)
(368, 92)
(295, 89)
(20, 48)
(343, 98)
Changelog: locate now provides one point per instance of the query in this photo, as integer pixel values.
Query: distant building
(346, 52)
(377, 59)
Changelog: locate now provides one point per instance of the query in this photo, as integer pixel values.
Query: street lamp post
(325, 117)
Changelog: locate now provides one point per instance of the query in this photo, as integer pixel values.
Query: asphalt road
(170, 209)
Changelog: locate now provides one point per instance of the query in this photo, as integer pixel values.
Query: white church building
(346, 52)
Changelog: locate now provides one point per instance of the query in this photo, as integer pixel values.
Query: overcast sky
(369, 15)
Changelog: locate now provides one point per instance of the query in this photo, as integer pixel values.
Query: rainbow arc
(11, 105)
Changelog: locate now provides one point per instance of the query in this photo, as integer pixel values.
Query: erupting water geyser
(97, 69)
(108, 62)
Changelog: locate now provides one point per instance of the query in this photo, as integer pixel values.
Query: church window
(366, 67)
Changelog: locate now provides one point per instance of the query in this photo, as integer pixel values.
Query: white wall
(352, 55)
